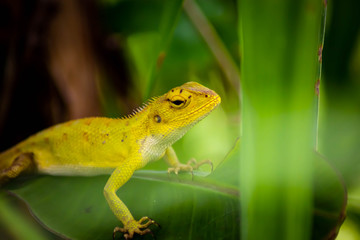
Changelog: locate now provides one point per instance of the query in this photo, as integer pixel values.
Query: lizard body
(98, 145)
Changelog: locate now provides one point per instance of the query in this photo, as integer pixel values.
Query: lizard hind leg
(22, 163)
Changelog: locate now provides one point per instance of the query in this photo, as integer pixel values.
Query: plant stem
(318, 79)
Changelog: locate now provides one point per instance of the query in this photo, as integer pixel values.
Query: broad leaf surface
(186, 208)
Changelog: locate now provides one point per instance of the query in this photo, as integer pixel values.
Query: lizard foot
(134, 226)
(190, 166)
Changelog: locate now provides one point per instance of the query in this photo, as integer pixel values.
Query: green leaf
(186, 208)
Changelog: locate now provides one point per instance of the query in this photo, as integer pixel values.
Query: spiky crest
(140, 109)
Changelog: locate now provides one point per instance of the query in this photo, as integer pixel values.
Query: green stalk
(279, 42)
(317, 86)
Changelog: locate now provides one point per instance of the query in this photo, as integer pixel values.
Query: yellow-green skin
(98, 145)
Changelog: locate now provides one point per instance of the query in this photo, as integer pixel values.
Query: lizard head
(173, 113)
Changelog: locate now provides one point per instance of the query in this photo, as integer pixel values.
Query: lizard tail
(13, 162)
(7, 158)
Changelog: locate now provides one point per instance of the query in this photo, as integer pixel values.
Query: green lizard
(100, 145)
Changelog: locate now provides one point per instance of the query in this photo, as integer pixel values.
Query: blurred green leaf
(17, 225)
(148, 27)
(280, 43)
(143, 53)
(330, 199)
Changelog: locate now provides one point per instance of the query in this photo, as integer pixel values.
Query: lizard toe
(138, 227)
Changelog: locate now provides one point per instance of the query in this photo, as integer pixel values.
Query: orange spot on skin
(86, 136)
(47, 140)
(107, 122)
(68, 123)
(87, 122)
(65, 136)
(127, 123)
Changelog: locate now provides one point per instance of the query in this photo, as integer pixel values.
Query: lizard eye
(157, 119)
(178, 102)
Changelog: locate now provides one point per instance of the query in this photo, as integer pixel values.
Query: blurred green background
(64, 60)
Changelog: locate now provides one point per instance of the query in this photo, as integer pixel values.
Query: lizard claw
(136, 227)
(181, 167)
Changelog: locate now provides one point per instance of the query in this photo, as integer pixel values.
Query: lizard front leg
(118, 178)
(176, 166)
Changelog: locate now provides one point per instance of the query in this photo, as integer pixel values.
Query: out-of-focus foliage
(159, 55)
(280, 69)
